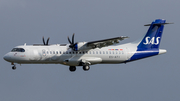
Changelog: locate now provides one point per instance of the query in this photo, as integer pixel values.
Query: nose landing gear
(14, 66)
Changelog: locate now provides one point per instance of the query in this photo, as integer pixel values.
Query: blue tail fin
(149, 45)
(152, 38)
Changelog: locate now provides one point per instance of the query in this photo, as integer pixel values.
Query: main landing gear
(73, 68)
(86, 68)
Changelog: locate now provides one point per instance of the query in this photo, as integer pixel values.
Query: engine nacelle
(81, 46)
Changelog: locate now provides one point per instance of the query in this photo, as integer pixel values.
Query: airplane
(107, 51)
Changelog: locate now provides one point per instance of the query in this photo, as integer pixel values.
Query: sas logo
(151, 41)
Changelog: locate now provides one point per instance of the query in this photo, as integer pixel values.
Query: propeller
(46, 41)
(72, 44)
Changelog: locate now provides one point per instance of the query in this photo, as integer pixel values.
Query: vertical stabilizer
(149, 45)
(153, 36)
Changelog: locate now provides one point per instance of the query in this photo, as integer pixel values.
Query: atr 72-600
(89, 53)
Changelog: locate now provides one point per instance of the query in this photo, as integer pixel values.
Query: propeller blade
(43, 40)
(72, 45)
(47, 41)
(73, 38)
(69, 40)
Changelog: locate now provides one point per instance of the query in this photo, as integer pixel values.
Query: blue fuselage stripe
(144, 53)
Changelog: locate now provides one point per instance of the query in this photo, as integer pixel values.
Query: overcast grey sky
(26, 21)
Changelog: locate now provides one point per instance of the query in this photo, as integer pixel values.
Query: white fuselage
(64, 55)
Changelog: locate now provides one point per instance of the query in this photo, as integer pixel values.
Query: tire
(72, 68)
(13, 67)
(86, 68)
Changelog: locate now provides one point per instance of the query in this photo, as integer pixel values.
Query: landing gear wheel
(13, 67)
(72, 68)
(86, 68)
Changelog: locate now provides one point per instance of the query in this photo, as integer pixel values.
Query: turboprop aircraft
(84, 54)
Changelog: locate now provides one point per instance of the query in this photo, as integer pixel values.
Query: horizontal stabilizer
(158, 24)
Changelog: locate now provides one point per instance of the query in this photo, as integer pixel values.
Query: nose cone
(6, 57)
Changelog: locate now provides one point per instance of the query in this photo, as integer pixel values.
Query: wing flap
(106, 42)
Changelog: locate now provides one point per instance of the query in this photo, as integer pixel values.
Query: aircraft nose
(6, 57)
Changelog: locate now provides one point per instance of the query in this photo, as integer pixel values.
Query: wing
(106, 42)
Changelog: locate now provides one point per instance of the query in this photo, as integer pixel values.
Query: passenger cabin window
(17, 50)
(122, 52)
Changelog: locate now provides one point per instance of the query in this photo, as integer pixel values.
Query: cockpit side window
(17, 50)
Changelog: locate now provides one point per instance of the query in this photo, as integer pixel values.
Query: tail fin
(153, 36)
(149, 45)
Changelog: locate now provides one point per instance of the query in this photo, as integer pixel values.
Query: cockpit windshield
(17, 50)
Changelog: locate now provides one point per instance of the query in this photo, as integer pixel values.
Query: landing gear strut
(72, 68)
